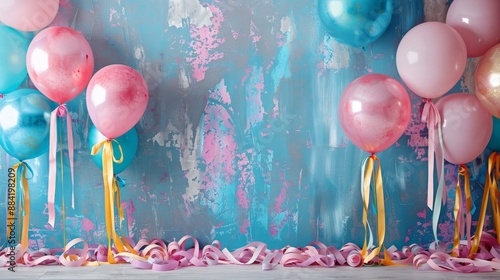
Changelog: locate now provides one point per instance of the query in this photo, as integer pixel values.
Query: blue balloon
(13, 48)
(355, 23)
(25, 123)
(494, 143)
(128, 141)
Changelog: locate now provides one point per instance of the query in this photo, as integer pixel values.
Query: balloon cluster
(374, 110)
(60, 64)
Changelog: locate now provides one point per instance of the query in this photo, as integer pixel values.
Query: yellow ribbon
(109, 197)
(463, 171)
(490, 191)
(379, 198)
(24, 208)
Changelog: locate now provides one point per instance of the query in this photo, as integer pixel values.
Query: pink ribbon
(60, 111)
(430, 115)
(156, 255)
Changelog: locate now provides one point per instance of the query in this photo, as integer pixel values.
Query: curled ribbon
(463, 217)
(156, 255)
(60, 111)
(431, 116)
(21, 187)
(110, 188)
(368, 166)
(490, 191)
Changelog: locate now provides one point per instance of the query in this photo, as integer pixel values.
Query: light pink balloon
(467, 127)
(28, 15)
(431, 59)
(117, 97)
(374, 111)
(60, 63)
(478, 22)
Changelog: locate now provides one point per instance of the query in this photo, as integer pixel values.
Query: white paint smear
(178, 10)
(287, 26)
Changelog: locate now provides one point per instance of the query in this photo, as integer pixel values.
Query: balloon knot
(62, 110)
(462, 169)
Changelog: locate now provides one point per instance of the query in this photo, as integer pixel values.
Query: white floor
(124, 272)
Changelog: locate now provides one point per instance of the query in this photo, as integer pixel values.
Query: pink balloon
(431, 58)
(467, 127)
(117, 97)
(28, 15)
(60, 63)
(374, 111)
(477, 22)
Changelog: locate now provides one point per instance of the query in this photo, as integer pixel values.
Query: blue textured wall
(240, 140)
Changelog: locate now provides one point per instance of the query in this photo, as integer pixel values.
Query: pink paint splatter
(112, 13)
(129, 208)
(415, 129)
(87, 225)
(243, 228)
(274, 230)
(422, 214)
(246, 179)
(219, 145)
(253, 34)
(204, 43)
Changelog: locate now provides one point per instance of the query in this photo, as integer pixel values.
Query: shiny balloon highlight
(487, 81)
(431, 58)
(466, 127)
(374, 111)
(117, 97)
(477, 22)
(60, 63)
(356, 23)
(24, 124)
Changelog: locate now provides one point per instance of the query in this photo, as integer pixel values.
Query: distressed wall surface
(240, 140)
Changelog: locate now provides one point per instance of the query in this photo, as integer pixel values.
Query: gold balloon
(487, 81)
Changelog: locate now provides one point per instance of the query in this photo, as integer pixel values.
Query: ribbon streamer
(156, 255)
(431, 116)
(60, 111)
(379, 194)
(490, 191)
(462, 216)
(21, 187)
(110, 187)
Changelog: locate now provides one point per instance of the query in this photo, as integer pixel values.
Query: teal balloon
(25, 124)
(13, 48)
(128, 141)
(494, 143)
(356, 23)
